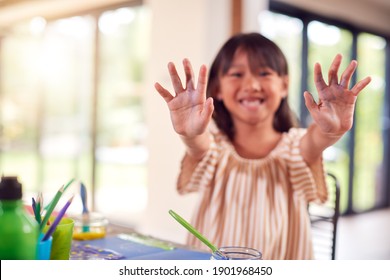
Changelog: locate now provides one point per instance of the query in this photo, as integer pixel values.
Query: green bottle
(18, 230)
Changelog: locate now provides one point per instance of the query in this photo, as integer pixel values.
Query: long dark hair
(264, 53)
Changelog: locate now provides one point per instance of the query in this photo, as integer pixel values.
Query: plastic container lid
(10, 188)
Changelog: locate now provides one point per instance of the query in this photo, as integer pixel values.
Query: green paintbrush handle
(191, 229)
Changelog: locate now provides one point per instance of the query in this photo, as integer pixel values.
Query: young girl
(255, 170)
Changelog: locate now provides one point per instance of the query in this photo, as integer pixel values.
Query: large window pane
(66, 65)
(20, 103)
(121, 151)
(47, 96)
(369, 144)
(325, 41)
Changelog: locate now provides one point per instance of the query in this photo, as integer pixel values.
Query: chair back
(324, 219)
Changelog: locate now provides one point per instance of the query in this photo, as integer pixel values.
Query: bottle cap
(10, 188)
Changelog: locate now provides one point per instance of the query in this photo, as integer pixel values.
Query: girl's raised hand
(189, 109)
(335, 108)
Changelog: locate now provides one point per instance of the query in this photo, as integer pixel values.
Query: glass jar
(90, 226)
(236, 253)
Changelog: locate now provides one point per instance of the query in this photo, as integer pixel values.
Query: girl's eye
(264, 73)
(235, 74)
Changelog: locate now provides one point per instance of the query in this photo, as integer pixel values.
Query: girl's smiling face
(252, 94)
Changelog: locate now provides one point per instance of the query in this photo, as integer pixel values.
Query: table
(122, 243)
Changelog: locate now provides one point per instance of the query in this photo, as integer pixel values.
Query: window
(71, 107)
(368, 182)
(358, 159)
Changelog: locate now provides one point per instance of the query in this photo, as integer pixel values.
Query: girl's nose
(252, 83)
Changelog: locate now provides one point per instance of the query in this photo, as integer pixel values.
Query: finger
(318, 79)
(360, 85)
(208, 109)
(334, 68)
(189, 74)
(202, 81)
(163, 92)
(309, 101)
(347, 74)
(176, 82)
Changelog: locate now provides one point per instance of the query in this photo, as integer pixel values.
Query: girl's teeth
(251, 102)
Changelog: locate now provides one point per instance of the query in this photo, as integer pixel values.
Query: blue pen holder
(44, 248)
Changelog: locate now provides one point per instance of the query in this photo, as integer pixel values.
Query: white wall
(179, 29)
(251, 10)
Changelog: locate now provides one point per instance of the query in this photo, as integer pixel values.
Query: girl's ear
(218, 95)
(285, 83)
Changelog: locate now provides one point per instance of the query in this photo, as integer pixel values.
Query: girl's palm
(189, 109)
(335, 108)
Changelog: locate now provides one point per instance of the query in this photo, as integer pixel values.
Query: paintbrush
(85, 213)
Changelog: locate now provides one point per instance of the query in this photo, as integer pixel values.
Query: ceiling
(370, 14)
(13, 11)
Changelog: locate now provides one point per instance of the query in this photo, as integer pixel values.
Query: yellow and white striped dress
(256, 203)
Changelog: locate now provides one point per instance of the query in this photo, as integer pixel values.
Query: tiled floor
(364, 236)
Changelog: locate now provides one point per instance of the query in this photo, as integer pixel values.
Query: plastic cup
(62, 239)
(44, 248)
(237, 253)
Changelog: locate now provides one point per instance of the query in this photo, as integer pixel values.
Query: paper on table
(91, 252)
(146, 240)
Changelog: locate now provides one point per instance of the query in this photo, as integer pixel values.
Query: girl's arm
(189, 109)
(333, 114)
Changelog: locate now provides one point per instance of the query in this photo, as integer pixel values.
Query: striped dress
(256, 203)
